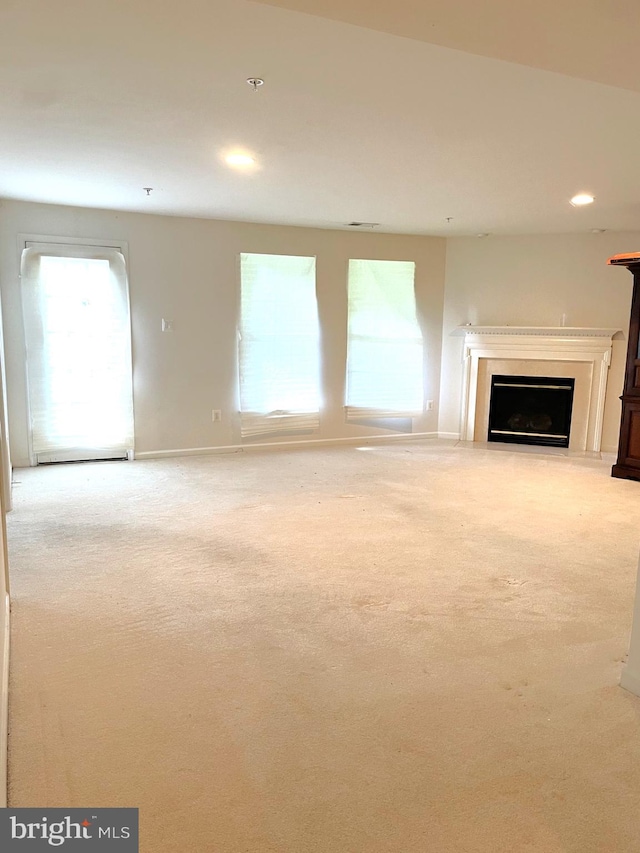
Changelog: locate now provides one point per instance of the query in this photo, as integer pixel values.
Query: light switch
(167, 325)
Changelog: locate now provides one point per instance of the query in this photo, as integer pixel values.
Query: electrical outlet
(429, 405)
(216, 415)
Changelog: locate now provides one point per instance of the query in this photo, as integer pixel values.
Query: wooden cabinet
(628, 464)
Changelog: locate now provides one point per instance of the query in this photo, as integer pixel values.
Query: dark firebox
(531, 410)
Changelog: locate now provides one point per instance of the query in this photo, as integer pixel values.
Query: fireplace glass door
(531, 410)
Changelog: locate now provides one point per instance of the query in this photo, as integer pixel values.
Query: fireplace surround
(580, 354)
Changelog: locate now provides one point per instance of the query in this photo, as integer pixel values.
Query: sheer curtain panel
(279, 346)
(77, 329)
(384, 348)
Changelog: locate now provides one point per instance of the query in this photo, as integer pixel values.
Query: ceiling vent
(363, 224)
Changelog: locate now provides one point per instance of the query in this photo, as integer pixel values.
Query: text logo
(103, 830)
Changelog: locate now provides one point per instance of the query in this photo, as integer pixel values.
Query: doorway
(78, 338)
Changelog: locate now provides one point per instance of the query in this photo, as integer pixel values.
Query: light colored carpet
(408, 648)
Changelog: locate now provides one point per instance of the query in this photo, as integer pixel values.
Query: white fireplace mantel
(538, 331)
(589, 347)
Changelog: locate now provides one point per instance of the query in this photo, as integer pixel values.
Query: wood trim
(625, 472)
(4, 704)
(630, 681)
(285, 445)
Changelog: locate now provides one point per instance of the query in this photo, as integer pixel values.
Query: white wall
(4, 624)
(4, 658)
(186, 270)
(533, 281)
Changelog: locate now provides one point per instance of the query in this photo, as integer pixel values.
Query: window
(279, 344)
(385, 349)
(76, 313)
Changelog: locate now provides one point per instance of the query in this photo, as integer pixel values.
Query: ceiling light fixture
(240, 161)
(255, 82)
(581, 199)
(363, 224)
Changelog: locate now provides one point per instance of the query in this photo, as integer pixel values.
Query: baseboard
(20, 462)
(285, 445)
(455, 436)
(630, 681)
(4, 706)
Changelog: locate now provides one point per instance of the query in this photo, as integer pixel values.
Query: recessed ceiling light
(240, 161)
(582, 199)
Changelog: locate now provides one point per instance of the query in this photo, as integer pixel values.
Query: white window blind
(76, 315)
(279, 344)
(385, 347)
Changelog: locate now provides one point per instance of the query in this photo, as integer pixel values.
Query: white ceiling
(98, 100)
(592, 40)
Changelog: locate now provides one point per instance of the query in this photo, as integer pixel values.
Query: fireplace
(531, 409)
(555, 353)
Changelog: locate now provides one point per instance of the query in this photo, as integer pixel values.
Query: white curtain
(279, 350)
(385, 348)
(77, 328)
